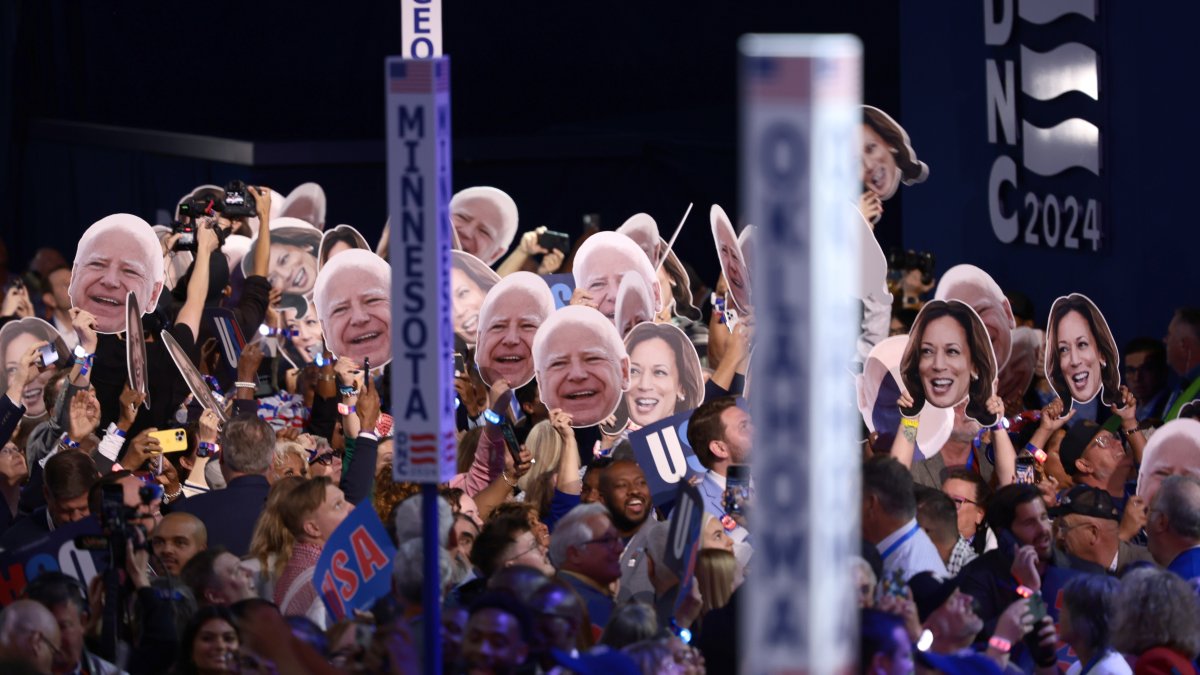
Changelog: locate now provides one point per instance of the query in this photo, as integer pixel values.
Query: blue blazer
(714, 503)
(1187, 564)
(229, 515)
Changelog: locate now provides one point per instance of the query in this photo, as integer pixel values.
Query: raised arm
(262, 249)
(197, 290)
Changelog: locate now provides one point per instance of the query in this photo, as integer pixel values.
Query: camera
(119, 523)
(551, 240)
(187, 236)
(239, 202)
(912, 260)
(47, 355)
(199, 206)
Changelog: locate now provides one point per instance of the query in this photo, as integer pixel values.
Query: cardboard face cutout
(295, 246)
(581, 364)
(135, 350)
(672, 276)
(878, 390)
(17, 338)
(664, 373)
(737, 275)
(603, 260)
(306, 341)
(306, 202)
(634, 305)
(195, 382)
(470, 281)
(887, 154)
(969, 284)
(1173, 449)
(948, 360)
(1017, 375)
(1082, 360)
(485, 222)
(509, 319)
(353, 295)
(117, 255)
(338, 240)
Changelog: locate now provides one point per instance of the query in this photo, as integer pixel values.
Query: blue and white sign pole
(419, 188)
(800, 172)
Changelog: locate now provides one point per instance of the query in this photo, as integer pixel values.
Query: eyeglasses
(518, 555)
(1102, 439)
(609, 540)
(959, 501)
(327, 458)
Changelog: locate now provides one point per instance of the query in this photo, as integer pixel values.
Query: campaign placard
(355, 567)
(662, 450)
(56, 552)
(418, 175)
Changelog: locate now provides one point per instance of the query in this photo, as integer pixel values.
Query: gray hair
(572, 530)
(247, 444)
(1178, 499)
(1090, 598)
(24, 616)
(1156, 608)
(408, 574)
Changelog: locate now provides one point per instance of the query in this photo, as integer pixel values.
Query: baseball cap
(1085, 500)
(929, 592)
(1075, 442)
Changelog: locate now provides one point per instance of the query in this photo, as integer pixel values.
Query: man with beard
(720, 434)
(1025, 557)
(626, 495)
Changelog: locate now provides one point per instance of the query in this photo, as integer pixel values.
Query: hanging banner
(418, 175)
(801, 165)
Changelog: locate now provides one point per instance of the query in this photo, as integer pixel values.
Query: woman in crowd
(210, 644)
(1088, 604)
(1157, 621)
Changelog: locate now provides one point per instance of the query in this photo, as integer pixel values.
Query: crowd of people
(193, 410)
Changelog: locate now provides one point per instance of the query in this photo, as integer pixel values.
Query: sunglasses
(327, 458)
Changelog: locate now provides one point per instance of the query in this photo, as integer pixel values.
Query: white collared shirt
(911, 551)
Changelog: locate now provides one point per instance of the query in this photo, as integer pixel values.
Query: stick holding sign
(192, 377)
(135, 349)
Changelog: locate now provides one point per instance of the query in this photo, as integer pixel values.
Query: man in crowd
(508, 540)
(946, 611)
(67, 600)
(69, 477)
(1173, 526)
(499, 632)
(721, 434)
(229, 515)
(311, 512)
(1183, 355)
(178, 537)
(1087, 527)
(936, 515)
(626, 495)
(586, 548)
(1094, 456)
(217, 577)
(28, 630)
(889, 520)
(558, 618)
(1145, 366)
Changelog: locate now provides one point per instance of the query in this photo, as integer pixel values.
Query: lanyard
(1087, 668)
(896, 544)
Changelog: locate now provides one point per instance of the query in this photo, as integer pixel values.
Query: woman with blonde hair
(546, 446)
(271, 544)
(716, 577)
(290, 459)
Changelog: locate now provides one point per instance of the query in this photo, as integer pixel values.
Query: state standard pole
(800, 175)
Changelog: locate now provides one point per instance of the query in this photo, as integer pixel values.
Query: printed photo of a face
(672, 276)
(295, 246)
(485, 222)
(307, 340)
(664, 374)
(17, 338)
(117, 255)
(1173, 450)
(470, 281)
(603, 260)
(1081, 355)
(509, 319)
(634, 305)
(192, 377)
(969, 284)
(888, 157)
(949, 360)
(339, 240)
(878, 389)
(135, 349)
(733, 265)
(354, 302)
(581, 364)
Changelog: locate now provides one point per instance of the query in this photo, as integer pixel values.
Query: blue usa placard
(55, 552)
(355, 567)
(662, 450)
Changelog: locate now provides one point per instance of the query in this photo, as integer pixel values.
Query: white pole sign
(418, 175)
(421, 28)
(800, 144)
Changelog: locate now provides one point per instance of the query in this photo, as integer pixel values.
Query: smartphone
(460, 365)
(1025, 471)
(47, 355)
(551, 240)
(1037, 607)
(171, 440)
(737, 488)
(731, 318)
(510, 440)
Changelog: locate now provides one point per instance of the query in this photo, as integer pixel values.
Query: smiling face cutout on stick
(581, 364)
(733, 265)
(1081, 355)
(117, 255)
(664, 373)
(509, 320)
(17, 338)
(603, 260)
(949, 359)
(485, 221)
(470, 281)
(888, 157)
(295, 246)
(353, 295)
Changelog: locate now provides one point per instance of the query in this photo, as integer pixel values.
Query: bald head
(28, 629)
(178, 537)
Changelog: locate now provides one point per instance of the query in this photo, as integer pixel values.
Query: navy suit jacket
(10, 415)
(1187, 564)
(229, 515)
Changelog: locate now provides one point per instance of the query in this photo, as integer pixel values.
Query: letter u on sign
(668, 455)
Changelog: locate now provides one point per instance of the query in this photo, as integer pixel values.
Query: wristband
(1000, 644)
(491, 416)
(205, 449)
(1038, 453)
(245, 385)
(910, 422)
(344, 409)
(1025, 591)
(114, 429)
(66, 441)
(347, 391)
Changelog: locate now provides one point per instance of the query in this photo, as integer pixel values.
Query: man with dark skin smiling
(624, 491)
(497, 636)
